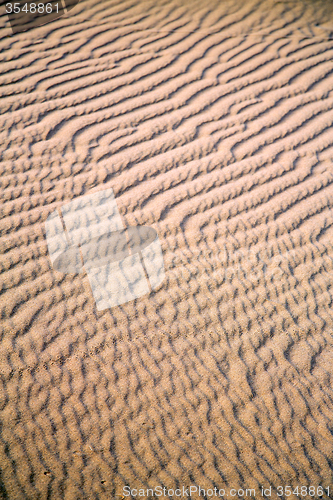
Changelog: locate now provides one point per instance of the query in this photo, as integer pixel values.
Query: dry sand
(212, 123)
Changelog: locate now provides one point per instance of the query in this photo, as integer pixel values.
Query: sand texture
(212, 124)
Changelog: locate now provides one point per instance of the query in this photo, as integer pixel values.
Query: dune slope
(212, 123)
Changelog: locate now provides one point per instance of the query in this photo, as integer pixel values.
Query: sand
(212, 123)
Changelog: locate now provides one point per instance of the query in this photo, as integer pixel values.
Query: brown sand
(212, 123)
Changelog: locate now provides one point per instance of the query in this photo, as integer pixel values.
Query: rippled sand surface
(212, 123)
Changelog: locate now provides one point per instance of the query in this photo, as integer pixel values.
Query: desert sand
(212, 123)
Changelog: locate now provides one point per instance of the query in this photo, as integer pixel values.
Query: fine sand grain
(212, 123)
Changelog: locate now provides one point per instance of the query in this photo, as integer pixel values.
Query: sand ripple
(212, 123)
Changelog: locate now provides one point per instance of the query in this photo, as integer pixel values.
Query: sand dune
(212, 123)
